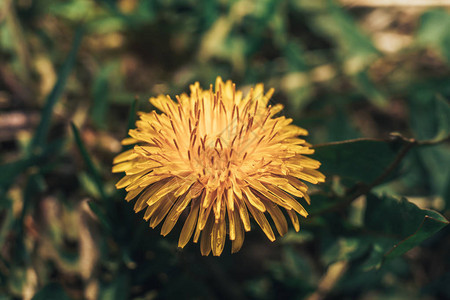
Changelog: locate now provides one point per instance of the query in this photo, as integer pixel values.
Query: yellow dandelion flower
(222, 157)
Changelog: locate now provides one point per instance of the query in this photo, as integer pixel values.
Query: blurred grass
(342, 72)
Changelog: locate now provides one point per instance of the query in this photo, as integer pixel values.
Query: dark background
(342, 71)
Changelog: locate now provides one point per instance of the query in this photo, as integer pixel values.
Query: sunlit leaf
(432, 30)
(345, 249)
(340, 27)
(368, 88)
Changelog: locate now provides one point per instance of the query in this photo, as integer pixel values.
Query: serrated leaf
(402, 220)
(431, 224)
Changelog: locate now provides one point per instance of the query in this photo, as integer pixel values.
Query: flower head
(222, 157)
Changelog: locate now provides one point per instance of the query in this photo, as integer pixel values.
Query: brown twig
(338, 269)
(362, 189)
(348, 142)
(408, 146)
(434, 141)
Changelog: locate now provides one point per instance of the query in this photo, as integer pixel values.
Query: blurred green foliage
(70, 72)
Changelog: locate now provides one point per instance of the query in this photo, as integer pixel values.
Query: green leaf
(101, 93)
(44, 125)
(340, 27)
(431, 224)
(368, 88)
(10, 171)
(295, 55)
(339, 126)
(132, 115)
(321, 203)
(345, 249)
(131, 122)
(395, 217)
(118, 289)
(51, 291)
(433, 31)
(431, 160)
(7, 223)
(89, 185)
(293, 237)
(100, 215)
(360, 160)
(35, 185)
(378, 248)
(295, 263)
(76, 11)
(87, 160)
(429, 114)
(443, 117)
(106, 24)
(402, 220)
(430, 120)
